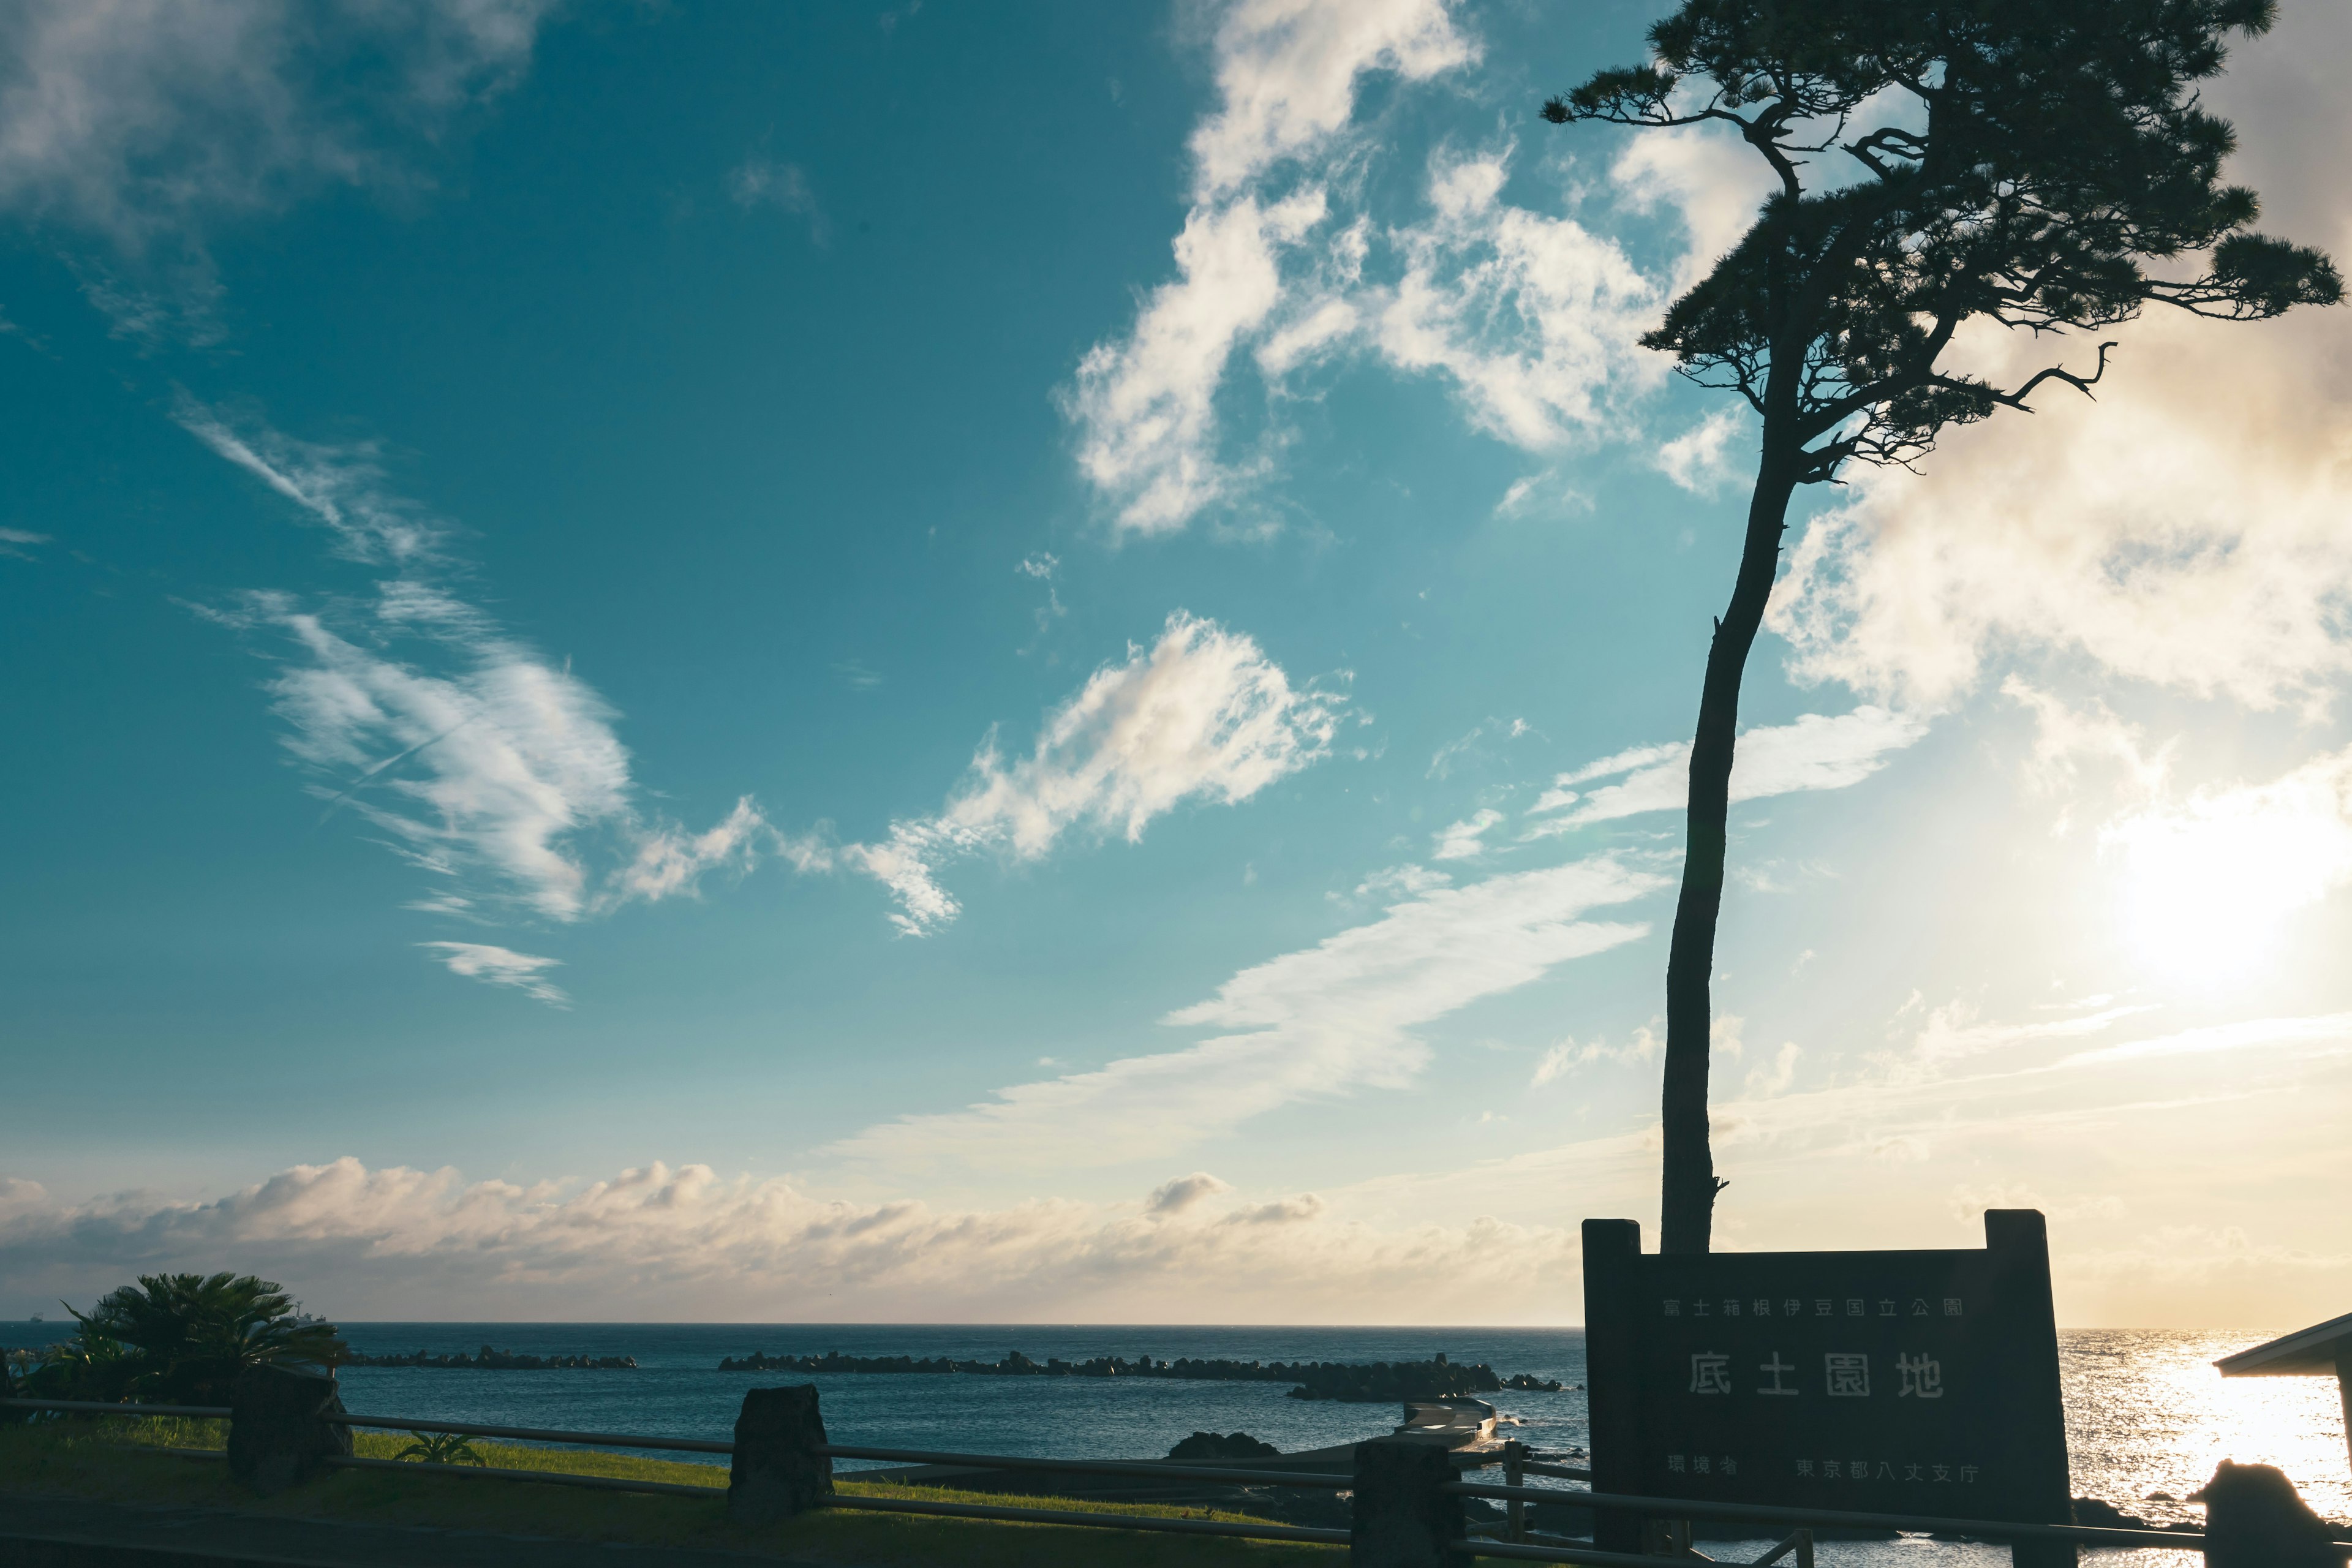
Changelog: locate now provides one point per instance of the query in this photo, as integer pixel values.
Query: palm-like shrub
(440, 1448)
(183, 1339)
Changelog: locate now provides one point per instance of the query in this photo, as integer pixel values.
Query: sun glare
(2206, 893)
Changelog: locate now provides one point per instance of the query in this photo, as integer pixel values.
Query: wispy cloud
(1322, 1021)
(145, 125)
(1471, 745)
(1201, 715)
(492, 965)
(760, 181)
(2330, 1028)
(344, 487)
(1818, 752)
(487, 766)
(19, 542)
(1954, 1031)
(1464, 840)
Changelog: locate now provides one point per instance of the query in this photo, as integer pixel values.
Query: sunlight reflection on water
(2147, 1413)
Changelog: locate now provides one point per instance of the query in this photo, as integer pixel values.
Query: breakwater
(1374, 1382)
(489, 1360)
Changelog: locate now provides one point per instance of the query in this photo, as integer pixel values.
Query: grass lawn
(102, 1460)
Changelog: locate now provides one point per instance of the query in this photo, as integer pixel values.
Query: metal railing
(1557, 1550)
(1099, 1520)
(1768, 1514)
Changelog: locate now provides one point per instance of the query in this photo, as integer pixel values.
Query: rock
(2254, 1518)
(777, 1471)
(1379, 1383)
(276, 1439)
(1203, 1447)
(2160, 1496)
(2098, 1515)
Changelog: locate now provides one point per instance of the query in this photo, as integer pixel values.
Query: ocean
(2146, 1413)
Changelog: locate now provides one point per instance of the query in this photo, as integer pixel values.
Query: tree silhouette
(2040, 163)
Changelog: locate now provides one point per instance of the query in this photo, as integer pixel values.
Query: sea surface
(2146, 1413)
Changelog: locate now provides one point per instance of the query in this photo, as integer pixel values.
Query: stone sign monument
(1913, 1382)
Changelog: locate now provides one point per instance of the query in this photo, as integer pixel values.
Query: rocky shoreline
(1376, 1383)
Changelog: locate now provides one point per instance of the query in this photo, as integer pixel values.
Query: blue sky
(1032, 660)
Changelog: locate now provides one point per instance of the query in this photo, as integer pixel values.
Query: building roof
(2309, 1352)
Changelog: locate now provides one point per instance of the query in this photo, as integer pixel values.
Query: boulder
(777, 1470)
(276, 1438)
(2254, 1518)
(1202, 1447)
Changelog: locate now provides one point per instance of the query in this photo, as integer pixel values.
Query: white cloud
(2330, 1028)
(1443, 761)
(485, 764)
(2065, 735)
(1460, 840)
(670, 860)
(341, 486)
(1184, 1192)
(500, 966)
(145, 122)
(18, 543)
(1952, 1031)
(1702, 460)
(1318, 1022)
(1765, 1081)
(403, 1243)
(1400, 881)
(1818, 752)
(764, 182)
(1710, 179)
(489, 769)
(2161, 533)
(1146, 407)
(1532, 318)
(1201, 715)
(1287, 73)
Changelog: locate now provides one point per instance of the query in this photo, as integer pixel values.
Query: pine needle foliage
(2046, 165)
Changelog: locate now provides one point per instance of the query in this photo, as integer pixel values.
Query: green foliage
(181, 1339)
(440, 1448)
(2043, 163)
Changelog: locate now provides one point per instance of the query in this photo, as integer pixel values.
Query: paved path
(56, 1532)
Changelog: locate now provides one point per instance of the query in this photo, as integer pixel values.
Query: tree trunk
(1686, 1216)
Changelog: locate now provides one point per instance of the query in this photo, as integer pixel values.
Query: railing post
(1613, 1247)
(276, 1438)
(1514, 1474)
(780, 1467)
(2018, 1241)
(1404, 1516)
